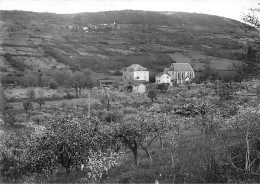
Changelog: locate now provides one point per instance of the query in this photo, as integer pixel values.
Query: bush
(38, 119)
(29, 80)
(55, 96)
(113, 116)
(117, 72)
(63, 77)
(116, 85)
(163, 87)
(228, 108)
(9, 114)
(3, 69)
(53, 85)
(190, 109)
(130, 110)
(69, 96)
(9, 79)
(225, 92)
(258, 93)
(20, 66)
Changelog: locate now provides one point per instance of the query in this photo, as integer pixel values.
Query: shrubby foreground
(129, 138)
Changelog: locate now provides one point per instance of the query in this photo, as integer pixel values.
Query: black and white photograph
(129, 92)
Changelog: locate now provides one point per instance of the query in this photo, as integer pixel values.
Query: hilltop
(108, 41)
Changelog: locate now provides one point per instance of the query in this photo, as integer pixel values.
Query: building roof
(166, 70)
(137, 84)
(179, 57)
(181, 67)
(162, 73)
(132, 82)
(105, 80)
(136, 67)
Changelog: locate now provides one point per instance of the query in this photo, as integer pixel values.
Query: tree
(40, 99)
(152, 95)
(139, 131)
(63, 77)
(30, 94)
(248, 129)
(28, 79)
(188, 85)
(67, 141)
(251, 68)
(80, 80)
(258, 93)
(2, 100)
(27, 105)
(208, 72)
(251, 18)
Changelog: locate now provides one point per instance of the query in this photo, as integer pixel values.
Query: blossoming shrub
(66, 141)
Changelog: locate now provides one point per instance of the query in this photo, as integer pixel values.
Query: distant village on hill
(90, 28)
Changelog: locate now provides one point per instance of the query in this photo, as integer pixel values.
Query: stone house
(134, 86)
(139, 88)
(136, 72)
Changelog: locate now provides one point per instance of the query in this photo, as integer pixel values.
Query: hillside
(32, 41)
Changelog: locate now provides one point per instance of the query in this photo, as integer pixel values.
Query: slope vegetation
(35, 41)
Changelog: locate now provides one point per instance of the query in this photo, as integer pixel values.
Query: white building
(136, 72)
(163, 78)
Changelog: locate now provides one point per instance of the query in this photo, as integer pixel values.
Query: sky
(233, 9)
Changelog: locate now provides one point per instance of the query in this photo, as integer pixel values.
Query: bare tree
(251, 67)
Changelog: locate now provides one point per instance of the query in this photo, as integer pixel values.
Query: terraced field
(43, 41)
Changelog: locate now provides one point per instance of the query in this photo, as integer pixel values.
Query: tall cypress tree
(251, 66)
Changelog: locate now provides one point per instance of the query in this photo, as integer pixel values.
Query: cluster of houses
(96, 28)
(178, 73)
(136, 77)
